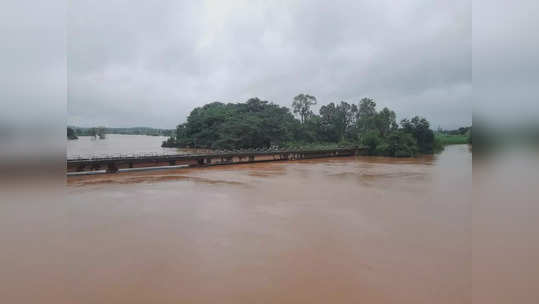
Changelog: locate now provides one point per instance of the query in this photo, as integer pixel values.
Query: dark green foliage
(371, 139)
(71, 134)
(126, 131)
(337, 120)
(330, 124)
(95, 132)
(311, 130)
(420, 128)
(261, 124)
(380, 132)
(458, 136)
(302, 105)
(366, 114)
(459, 131)
(397, 143)
(385, 121)
(253, 124)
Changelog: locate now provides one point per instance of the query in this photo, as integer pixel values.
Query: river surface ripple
(339, 230)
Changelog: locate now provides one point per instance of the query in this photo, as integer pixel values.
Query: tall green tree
(302, 105)
(366, 114)
(337, 119)
(385, 121)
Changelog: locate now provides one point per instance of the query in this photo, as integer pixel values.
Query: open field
(445, 139)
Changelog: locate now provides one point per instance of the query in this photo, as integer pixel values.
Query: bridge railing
(120, 156)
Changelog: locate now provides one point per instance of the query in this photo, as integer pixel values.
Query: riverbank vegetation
(95, 132)
(445, 139)
(71, 134)
(458, 136)
(261, 124)
(80, 131)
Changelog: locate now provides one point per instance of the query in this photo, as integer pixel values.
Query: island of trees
(261, 124)
(74, 132)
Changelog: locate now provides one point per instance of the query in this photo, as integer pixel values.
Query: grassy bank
(445, 139)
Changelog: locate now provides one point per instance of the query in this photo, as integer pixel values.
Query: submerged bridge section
(113, 163)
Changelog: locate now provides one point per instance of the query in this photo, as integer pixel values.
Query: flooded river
(340, 230)
(117, 144)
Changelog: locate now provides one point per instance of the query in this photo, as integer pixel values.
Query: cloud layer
(133, 63)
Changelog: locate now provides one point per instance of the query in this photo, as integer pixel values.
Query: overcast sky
(149, 63)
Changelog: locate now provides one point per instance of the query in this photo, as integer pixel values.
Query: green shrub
(383, 149)
(371, 139)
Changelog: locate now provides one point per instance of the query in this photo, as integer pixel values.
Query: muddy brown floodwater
(337, 230)
(342, 230)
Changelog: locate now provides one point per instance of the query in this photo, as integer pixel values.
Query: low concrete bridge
(113, 163)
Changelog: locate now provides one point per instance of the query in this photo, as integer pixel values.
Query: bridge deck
(113, 163)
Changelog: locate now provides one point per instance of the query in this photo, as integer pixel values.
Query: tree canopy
(302, 105)
(260, 124)
(71, 134)
(255, 123)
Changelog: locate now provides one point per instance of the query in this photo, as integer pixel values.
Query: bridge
(112, 164)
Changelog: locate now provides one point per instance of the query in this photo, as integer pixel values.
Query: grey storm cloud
(506, 61)
(149, 63)
(32, 62)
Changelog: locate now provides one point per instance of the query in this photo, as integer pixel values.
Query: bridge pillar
(112, 168)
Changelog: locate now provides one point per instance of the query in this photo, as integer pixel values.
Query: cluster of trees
(71, 134)
(258, 123)
(74, 132)
(459, 131)
(255, 123)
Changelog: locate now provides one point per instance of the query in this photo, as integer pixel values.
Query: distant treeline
(454, 137)
(459, 131)
(95, 131)
(260, 124)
